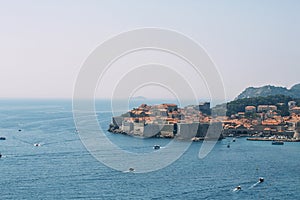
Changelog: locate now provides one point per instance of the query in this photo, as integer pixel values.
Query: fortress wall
(289, 134)
(127, 127)
(297, 127)
(216, 130)
(187, 130)
(138, 129)
(151, 130)
(166, 130)
(202, 129)
(117, 121)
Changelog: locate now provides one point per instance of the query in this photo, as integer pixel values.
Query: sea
(62, 168)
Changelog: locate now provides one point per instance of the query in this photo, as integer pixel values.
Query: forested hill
(280, 101)
(269, 90)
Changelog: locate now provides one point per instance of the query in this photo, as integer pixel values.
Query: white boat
(131, 169)
(261, 179)
(238, 188)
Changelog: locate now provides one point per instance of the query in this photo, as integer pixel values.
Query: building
(291, 104)
(295, 110)
(250, 109)
(240, 115)
(159, 112)
(204, 108)
(170, 107)
(297, 130)
(266, 108)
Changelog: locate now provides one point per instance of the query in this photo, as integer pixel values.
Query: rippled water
(61, 168)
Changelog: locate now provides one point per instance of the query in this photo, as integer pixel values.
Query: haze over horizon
(45, 43)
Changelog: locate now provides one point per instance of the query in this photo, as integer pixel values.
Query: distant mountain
(138, 98)
(269, 90)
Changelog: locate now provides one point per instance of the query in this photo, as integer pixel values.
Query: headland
(165, 121)
(274, 119)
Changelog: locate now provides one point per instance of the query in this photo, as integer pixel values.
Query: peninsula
(165, 121)
(264, 118)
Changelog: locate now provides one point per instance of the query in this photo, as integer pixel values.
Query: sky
(44, 44)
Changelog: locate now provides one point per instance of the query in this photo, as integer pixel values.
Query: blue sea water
(61, 168)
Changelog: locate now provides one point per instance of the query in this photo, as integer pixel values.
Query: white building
(266, 108)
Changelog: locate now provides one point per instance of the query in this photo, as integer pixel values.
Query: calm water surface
(61, 168)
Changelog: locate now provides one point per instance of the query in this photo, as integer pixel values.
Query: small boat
(0, 155)
(228, 145)
(37, 144)
(131, 169)
(195, 139)
(238, 188)
(233, 140)
(2, 138)
(261, 179)
(277, 143)
(156, 147)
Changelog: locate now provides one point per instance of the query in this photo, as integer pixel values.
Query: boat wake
(127, 171)
(130, 170)
(260, 180)
(255, 184)
(238, 188)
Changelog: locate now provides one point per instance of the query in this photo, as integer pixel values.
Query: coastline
(272, 139)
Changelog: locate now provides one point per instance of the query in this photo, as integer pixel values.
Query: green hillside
(269, 90)
(281, 101)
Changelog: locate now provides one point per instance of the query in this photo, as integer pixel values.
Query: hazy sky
(44, 43)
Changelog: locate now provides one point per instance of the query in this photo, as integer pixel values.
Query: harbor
(273, 139)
